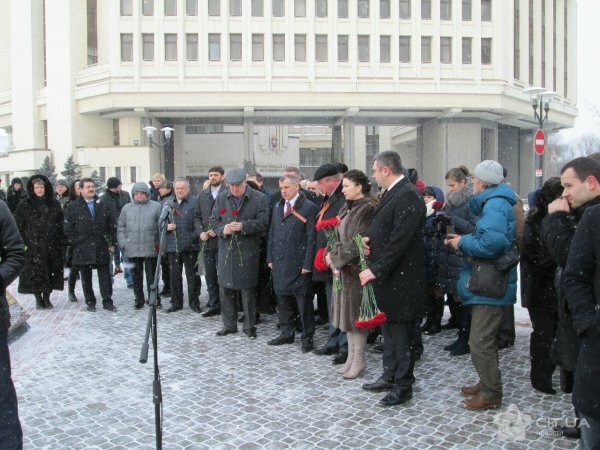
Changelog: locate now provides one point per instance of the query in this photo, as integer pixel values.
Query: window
(384, 49)
(257, 8)
(191, 7)
(342, 9)
(118, 172)
(214, 7)
(148, 7)
(404, 46)
(258, 47)
(191, 47)
(321, 47)
(486, 10)
(126, 47)
(425, 49)
(235, 7)
(133, 174)
(321, 8)
(299, 8)
(342, 44)
(278, 8)
(300, 47)
(116, 133)
(126, 8)
(170, 7)
(235, 47)
(170, 47)
(445, 50)
(467, 50)
(363, 9)
(486, 50)
(405, 9)
(446, 9)
(148, 47)
(426, 9)
(92, 33)
(384, 9)
(279, 47)
(363, 48)
(466, 10)
(214, 47)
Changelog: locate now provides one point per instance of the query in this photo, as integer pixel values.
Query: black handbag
(489, 277)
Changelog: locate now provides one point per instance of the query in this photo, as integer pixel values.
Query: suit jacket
(397, 258)
(202, 213)
(330, 208)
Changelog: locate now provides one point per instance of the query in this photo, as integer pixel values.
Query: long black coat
(202, 213)
(329, 209)
(90, 237)
(12, 259)
(291, 247)
(582, 290)
(40, 222)
(397, 259)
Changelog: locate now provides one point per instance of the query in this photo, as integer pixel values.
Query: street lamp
(169, 168)
(150, 132)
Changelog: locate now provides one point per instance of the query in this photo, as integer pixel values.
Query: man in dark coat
(204, 206)
(240, 217)
(15, 194)
(397, 271)
(12, 260)
(2, 193)
(290, 255)
(330, 184)
(91, 233)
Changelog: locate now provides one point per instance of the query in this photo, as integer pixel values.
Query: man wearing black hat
(330, 184)
(15, 194)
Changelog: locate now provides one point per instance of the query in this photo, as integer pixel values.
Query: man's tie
(91, 208)
(288, 209)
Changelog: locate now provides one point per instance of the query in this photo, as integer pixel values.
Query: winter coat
(137, 229)
(433, 243)
(396, 258)
(459, 215)
(493, 236)
(2, 195)
(238, 262)
(154, 193)
(291, 246)
(89, 237)
(330, 208)
(115, 202)
(184, 238)
(63, 199)
(14, 197)
(12, 259)
(40, 222)
(582, 290)
(202, 213)
(355, 218)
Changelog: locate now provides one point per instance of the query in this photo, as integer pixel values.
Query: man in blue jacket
(494, 233)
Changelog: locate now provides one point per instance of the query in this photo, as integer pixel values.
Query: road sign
(539, 142)
(538, 172)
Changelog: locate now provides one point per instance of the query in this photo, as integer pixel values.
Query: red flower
(438, 205)
(374, 322)
(332, 222)
(320, 264)
(235, 212)
(222, 211)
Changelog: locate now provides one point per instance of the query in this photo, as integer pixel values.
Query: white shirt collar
(396, 181)
(293, 200)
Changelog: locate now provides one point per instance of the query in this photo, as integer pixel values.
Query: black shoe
(451, 346)
(241, 319)
(110, 307)
(451, 325)
(251, 334)
(165, 293)
(505, 343)
(567, 380)
(396, 397)
(461, 347)
(91, 308)
(307, 345)
(138, 305)
(225, 332)
(545, 389)
(174, 308)
(130, 286)
(568, 432)
(281, 339)
(72, 297)
(325, 351)
(196, 309)
(211, 312)
(340, 358)
(378, 348)
(379, 385)
(434, 328)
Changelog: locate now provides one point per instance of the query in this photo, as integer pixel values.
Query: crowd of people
(383, 260)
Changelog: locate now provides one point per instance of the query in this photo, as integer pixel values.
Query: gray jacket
(137, 229)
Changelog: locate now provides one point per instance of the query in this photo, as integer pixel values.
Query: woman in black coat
(73, 271)
(40, 221)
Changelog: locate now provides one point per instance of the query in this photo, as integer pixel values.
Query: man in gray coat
(240, 216)
(138, 236)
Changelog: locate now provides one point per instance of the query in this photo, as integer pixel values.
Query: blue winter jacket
(493, 236)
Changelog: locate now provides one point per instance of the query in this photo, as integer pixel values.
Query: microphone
(166, 210)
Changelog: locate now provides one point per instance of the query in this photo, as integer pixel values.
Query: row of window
(116, 172)
(321, 8)
(363, 48)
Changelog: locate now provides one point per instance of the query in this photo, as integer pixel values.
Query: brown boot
(346, 366)
(468, 391)
(480, 403)
(358, 360)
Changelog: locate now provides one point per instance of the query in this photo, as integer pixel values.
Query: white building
(271, 83)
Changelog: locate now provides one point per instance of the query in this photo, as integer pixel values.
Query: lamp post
(540, 102)
(169, 167)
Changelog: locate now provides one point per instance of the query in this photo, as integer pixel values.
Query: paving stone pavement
(81, 386)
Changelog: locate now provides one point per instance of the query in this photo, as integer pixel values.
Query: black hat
(326, 170)
(113, 182)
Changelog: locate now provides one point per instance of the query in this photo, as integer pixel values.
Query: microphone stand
(151, 326)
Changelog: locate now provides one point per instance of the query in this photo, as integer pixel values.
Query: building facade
(270, 83)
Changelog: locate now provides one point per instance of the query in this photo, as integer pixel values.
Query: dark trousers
(104, 281)
(398, 354)
(72, 281)
(507, 325)
(287, 305)
(11, 435)
(165, 272)
(229, 308)
(318, 288)
(177, 262)
(544, 323)
(417, 344)
(210, 275)
(590, 433)
(139, 266)
(337, 338)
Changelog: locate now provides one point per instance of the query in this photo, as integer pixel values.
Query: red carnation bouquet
(328, 227)
(370, 316)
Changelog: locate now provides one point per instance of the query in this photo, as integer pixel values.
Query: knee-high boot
(71, 284)
(358, 360)
(350, 335)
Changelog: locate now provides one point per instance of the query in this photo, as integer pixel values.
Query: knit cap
(489, 171)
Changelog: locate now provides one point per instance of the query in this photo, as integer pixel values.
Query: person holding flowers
(397, 273)
(355, 218)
